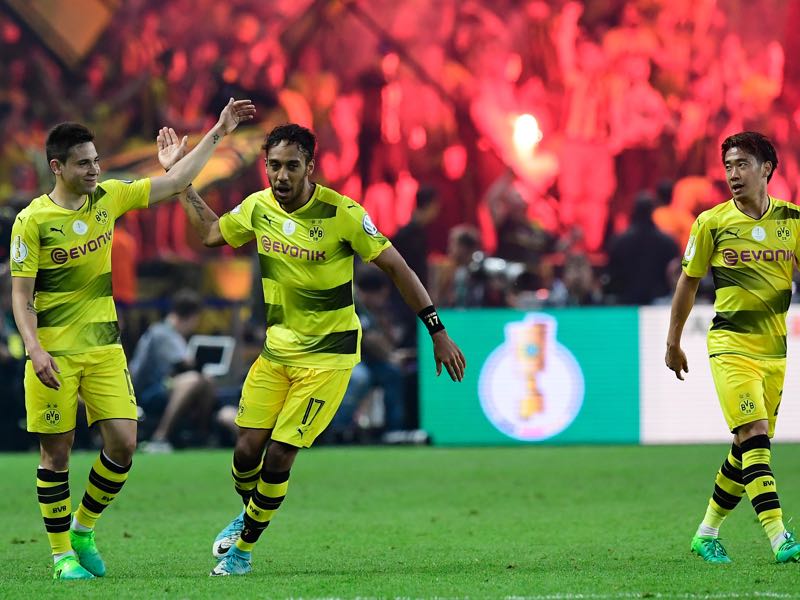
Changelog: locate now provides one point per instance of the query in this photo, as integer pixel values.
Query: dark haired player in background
(751, 243)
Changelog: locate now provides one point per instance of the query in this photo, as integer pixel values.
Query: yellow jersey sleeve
(128, 195)
(358, 230)
(237, 225)
(699, 249)
(25, 244)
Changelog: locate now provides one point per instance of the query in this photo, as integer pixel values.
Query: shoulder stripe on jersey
(781, 213)
(335, 298)
(320, 210)
(340, 342)
(66, 313)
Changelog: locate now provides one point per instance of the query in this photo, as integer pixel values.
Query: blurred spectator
(455, 284)
(577, 286)
(124, 254)
(669, 217)
(165, 379)
(411, 240)
(638, 257)
(518, 238)
(527, 291)
(13, 435)
(381, 362)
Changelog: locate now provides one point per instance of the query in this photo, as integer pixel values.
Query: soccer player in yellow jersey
(61, 298)
(751, 243)
(306, 236)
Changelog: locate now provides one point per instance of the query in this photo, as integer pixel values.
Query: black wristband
(430, 317)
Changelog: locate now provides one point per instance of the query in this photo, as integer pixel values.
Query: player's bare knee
(749, 430)
(280, 456)
(121, 451)
(55, 451)
(249, 446)
(55, 458)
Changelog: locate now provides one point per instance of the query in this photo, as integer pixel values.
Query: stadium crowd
(418, 115)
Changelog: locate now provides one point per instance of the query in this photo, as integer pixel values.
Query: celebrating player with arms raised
(62, 303)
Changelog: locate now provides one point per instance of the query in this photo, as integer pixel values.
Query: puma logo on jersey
(59, 230)
(268, 220)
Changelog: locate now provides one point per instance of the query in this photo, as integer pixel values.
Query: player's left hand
(448, 354)
(170, 148)
(235, 112)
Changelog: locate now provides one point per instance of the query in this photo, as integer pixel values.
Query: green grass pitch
(564, 523)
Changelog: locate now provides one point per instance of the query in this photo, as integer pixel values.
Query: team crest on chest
(101, 216)
(758, 233)
(316, 233)
(783, 232)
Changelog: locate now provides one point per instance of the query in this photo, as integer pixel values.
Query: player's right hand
(676, 361)
(45, 368)
(235, 112)
(170, 147)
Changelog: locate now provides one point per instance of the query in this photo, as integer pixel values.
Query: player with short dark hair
(62, 303)
(751, 242)
(307, 236)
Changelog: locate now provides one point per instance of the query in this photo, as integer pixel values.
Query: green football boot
(710, 549)
(69, 568)
(84, 546)
(789, 550)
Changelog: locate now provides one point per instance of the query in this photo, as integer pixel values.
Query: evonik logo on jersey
(731, 257)
(290, 249)
(59, 255)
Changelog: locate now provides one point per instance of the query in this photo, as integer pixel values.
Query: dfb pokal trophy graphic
(530, 342)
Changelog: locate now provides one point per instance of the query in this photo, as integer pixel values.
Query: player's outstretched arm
(204, 221)
(186, 169)
(25, 316)
(682, 303)
(445, 350)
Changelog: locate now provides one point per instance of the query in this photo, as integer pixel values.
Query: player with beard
(306, 236)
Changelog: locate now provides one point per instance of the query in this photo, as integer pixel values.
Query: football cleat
(789, 550)
(235, 562)
(86, 550)
(69, 568)
(710, 549)
(226, 538)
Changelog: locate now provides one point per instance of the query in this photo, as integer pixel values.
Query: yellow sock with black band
(728, 491)
(52, 488)
(106, 479)
(245, 478)
(267, 498)
(760, 485)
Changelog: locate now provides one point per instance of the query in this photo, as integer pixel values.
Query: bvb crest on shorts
(746, 404)
(52, 415)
